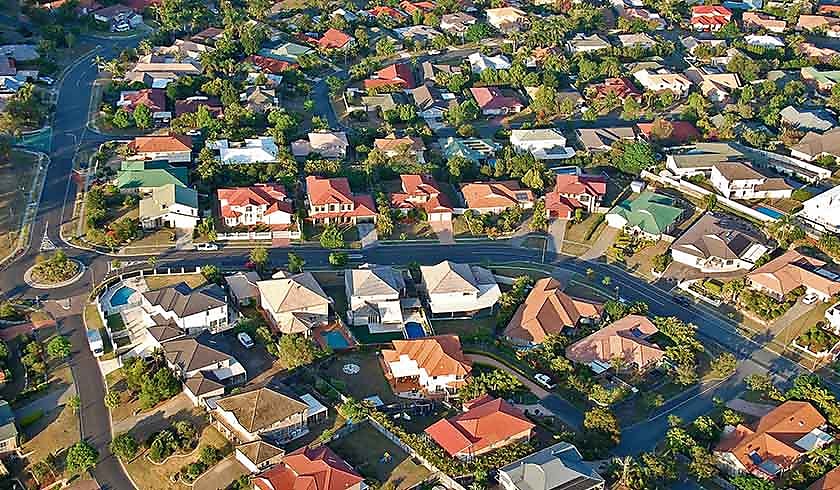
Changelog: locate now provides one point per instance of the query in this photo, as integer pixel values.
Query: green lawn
(366, 448)
(479, 327)
(161, 281)
(370, 380)
(115, 323)
(93, 320)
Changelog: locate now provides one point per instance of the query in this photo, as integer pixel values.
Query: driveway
(255, 360)
(789, 318)
(561, 409)
(367, 234)
(602, 243)
(156, 417)
(48, 402)
(443, 230)
(221, 475)
(557, 233)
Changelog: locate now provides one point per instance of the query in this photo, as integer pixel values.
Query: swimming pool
(335, 340)
(769, 212)
(570, 170)
(414, 330)
(121, 295)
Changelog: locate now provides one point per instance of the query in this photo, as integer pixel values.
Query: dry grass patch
(194, 280)
(56, 430)
(16, 179)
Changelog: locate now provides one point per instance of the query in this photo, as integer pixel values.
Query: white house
(658, 82)
(736, 180)
(171, 206)
(192, 310)
(252, 150)
(543, 144)
(258, 204)
(374, 293)
(717, 244)
(261, 413)
(581, 43)
(764, 41)
(190, 358)
(823, 210)
(459, 290)
(294, 304)
(431, 367)
(480, 62)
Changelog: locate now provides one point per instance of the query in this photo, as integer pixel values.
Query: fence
(699, 192)
(445, 479)
(259, 235)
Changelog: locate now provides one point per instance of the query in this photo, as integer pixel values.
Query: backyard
(368, 382)
(194, 280)
(16, 179)
(53, 432)
(377, 458)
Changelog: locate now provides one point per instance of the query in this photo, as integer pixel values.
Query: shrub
(31, 418)
(599, 218)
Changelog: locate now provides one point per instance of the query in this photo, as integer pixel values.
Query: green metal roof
(151, 174)
(652, 213)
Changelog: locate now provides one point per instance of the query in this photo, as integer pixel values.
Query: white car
(245, 340)
(122, 27)
(810, 298)
(206, 246)
(544, 381)
(47, 80)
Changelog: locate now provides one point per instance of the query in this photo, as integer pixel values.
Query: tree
(545, 102)
(332, 237)
(58, 348)
(212, 273)
(749, 482)
(724, 364)
(142, 117)
(636, 157)
(121, 119)
(338, 259)
(296, 263)
(74, 403)
(702, 463)
(602, 427)
(124, 446)
(539, 221)
(259, 256)
(112, 399)
(710, 201)
(209, 166)
(80, 458)
(295, 350)
(385, 224)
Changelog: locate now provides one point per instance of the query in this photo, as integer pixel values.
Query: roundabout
(32, 279)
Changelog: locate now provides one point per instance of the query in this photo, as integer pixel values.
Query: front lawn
(55, 431)
(93, 320)
(16, 179)
(377, 458)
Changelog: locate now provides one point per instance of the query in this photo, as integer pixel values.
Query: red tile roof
(831, 481)
(411, 7)
(683, 131)
(440, 355)
(270, 65)
(191, 105)
(487, 424)
(492, 98)
(398, 74)
(387, 11)
(156, 144)
(153, 98)
(322, 191)
(309, 469)
(421, 191)
(271, 195)
(713, 10)
(624, 338)
(334, 39)
(622, 87)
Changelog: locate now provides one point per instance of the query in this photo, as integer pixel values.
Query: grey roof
(201, 384)
(183, 301)
(191, 355)
(816, 119)
(706, 155)
(8, 430)
(450, 277)
(259, 451)
(261, 408)
(737, 171)
(163, 333)
(557, 467)
(243, 284)
(717, 235)
(162, 198)
(815, 144)
(593, 139)
(374, 281)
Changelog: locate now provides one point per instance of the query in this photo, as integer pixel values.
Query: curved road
(70, 134)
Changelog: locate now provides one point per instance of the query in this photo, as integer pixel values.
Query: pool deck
(318, 335)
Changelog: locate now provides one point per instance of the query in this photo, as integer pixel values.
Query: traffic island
(55, 272)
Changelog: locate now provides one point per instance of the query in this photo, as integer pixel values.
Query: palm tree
(625, 471)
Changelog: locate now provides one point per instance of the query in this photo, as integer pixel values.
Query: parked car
(46, 80)
(681, 300)
(122, 27)
(245, 340)
(206, 246)
(810, 298)
(544, 381)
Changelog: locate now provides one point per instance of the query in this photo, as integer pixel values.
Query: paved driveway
(367, 234)
(557, 233)
(221, 475)
(443, 230)
(787, 320)
(602, 243)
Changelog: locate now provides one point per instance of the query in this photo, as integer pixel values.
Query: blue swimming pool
(414, 330)
(121, 295)
(335, 340)
(769, 212)
(571, 170)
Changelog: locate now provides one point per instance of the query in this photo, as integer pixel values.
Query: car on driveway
(245, 340)
(810, 298)
(545, 381)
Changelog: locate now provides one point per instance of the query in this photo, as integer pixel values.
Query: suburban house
(259, 455)
(261, 413)
(625, 339)
(543, 144)
(641, 40)
(431, 367)
(549, 311)
(169, 206)
(242, 287)
(602, 139)
(294, 304)
(701, 158)
(431, 71)
(153, 98)
(396, 75)
(157, 71)
(456, 23)
(331, 201)
(432, 104)
(334, 39)
(386, 11)
(423, 192)
(252, 150)
(174, 148)
(620, 87)
(266, 204)
(649, 214)
(142, 177)
(820, 54)
(391, 146)
(793, 270)
(735, 180)
(486, 424)
(657, 82)
(831, 481)
(764, 41)
(374, 294)
(719, 243)
(476, 150)
(190, 358)
(459, 290)
(556, 467)
(716, 87)
(678, 132)
(823, 210)
(259, 99)
(419, 33)
(821, 80)
(117, 15)
(709, 17)
(493, 102)
(310, 468)
(776, 444)
(331, 145)
(200, 388)
(572, 192)
(191, 310)
(8, 429)
(191, 105)
(507, 19)
(480, 62)
(808, 119)
(495, 197)
(581, 43)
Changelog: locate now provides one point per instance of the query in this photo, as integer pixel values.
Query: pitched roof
(651, 212)
(814, 144)
(548, 310)
(183, 301)
(309, 468)
(157, 144)
(199, 384)
(163, 333)
(259, 451)
(557, 467)
(261, 408)
(593, 185)
(493, 98)
(397, 74)
(328, 191)
(153, 98)
(484, 195)
(374, 281)
(440, 355)
(191, 105)
(773, 442)
(421, 191)
(791, 270)
(294, 293)
(162, 198)
(682, 131)
(596, 138)
(191, 355)
(624, 338)
(831, 481)
(487, 422)
(334, 38)
(135, 174)
(451, 277)
(8, 429)
(273, 196)
(717, 235)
